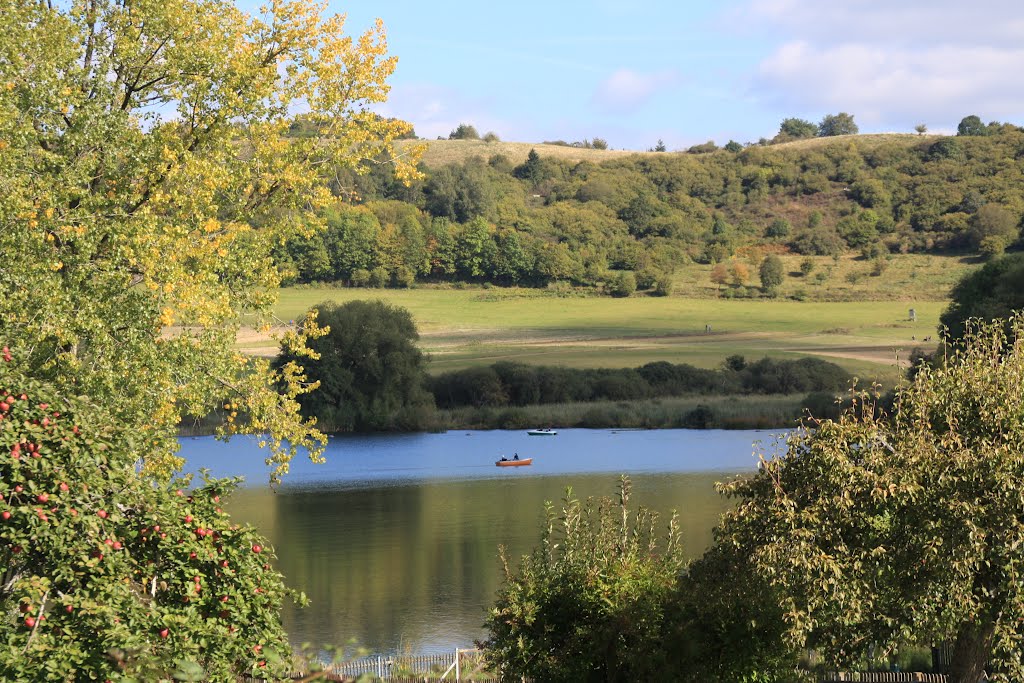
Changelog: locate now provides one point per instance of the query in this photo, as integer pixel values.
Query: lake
(395, 538)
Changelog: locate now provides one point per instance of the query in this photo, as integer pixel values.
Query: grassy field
(441, 152)
(475, 326)
(909, 278)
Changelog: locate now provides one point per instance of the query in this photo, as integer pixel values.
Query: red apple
(43, 497)
(164, 633)
(6, 515)
(30, 622)
(257, 549)
(102, 514)
(63, 486)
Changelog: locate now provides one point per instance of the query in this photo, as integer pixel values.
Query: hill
(438, 153)
(833, 217)
(442, 152)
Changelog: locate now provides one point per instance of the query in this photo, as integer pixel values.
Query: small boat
(541, 432)
(514, 463)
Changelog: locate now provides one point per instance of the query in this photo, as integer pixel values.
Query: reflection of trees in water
(415, 566)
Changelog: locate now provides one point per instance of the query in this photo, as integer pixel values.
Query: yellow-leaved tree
(145, 176)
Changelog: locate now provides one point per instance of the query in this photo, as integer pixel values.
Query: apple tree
(109, 576)
(904, 528)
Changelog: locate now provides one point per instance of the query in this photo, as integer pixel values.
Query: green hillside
(840, 214)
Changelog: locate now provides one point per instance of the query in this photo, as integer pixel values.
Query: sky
(636, 71)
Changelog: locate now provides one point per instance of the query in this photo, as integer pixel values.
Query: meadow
(463, 327)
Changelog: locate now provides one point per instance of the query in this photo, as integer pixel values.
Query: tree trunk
(971, 652)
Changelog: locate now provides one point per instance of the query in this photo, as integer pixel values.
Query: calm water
(395, 539)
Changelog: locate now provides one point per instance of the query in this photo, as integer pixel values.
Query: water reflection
(395, 540)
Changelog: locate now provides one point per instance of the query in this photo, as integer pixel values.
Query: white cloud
(626, 90)
(893, 64)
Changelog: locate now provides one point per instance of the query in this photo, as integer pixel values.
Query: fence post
(458, 672)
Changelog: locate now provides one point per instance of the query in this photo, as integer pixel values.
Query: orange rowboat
(514, 463)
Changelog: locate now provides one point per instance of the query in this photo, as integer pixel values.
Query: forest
(630, 222)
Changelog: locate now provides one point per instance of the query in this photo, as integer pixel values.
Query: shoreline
(731, 412)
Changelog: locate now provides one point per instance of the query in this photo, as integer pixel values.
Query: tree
(994, 221)
(921, 128)
(739, 272)
(720, 274)
(971, 125)
(837, 124)
(797, 129)
(110, 577)
(370, 372)
(464, 131)
(779, 227)
(806, 266)
(599, 143)
(532, 169)
(491, 136)
(772, 273)
(589, 603)
(903, 529)
(660, 146)
(994, 291)
(733, 146)
(148, 177)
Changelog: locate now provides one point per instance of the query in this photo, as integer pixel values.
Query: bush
(379, 277)
(360, 277)
(404, 277)
(464, 131)
(589, 603)
(622, 285)
(664, 285)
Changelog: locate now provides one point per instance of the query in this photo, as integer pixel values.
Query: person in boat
(503, 459)
(515, 457)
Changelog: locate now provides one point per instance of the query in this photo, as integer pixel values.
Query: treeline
(548, 219)
(515, 384)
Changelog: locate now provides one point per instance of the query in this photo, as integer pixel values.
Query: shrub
(589, 603)
(404, 277)
(663, 285)
(623, 284)
(379, 277)
(360, 277)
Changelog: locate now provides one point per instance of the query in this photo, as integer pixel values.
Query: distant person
(504, 459)
(515, 457)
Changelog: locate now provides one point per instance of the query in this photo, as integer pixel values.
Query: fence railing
(459, 666)
(879, 677)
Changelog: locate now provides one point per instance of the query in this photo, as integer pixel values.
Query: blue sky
(686, 72)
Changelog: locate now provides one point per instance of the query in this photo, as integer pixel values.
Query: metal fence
(460, 666)
(879, 677)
